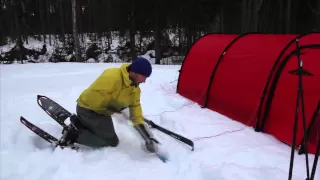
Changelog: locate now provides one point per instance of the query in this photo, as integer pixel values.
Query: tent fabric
(245, 77)
(200, 61)
(284, 99)
(314, 131)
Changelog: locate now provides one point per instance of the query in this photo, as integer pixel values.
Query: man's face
(137, 78)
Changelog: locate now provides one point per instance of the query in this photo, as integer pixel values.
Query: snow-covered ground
(243, 154)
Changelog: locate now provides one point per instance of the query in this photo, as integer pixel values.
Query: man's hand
(151, 144)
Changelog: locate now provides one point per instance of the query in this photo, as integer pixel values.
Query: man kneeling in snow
(114, 90)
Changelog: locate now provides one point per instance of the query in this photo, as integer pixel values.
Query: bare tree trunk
(188, 35)
(79, 23)
(249, 15)
(280, 27)
(89, 20)
(158, 33)
(25, 31)
(42, 21)
(19, 42)
(180, 31)
(109, 34)
(140, 41)
(288, 16)
(95, 21)
(132, 32)
(48, 20)
(180, 38)
(25, 28)
(62, 22)
(221, 19)
(75, 32)
(318, 17)
(255, 14)
(2, 36)
(244, 17)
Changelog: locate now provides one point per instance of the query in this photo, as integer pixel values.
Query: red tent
(250, 78)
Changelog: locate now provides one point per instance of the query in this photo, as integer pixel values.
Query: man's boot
(69, 136)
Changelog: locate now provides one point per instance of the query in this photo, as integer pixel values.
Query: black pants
(99, 130)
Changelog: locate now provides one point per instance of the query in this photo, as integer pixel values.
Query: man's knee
(113, 142)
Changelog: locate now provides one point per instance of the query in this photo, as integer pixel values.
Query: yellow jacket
(112, 91)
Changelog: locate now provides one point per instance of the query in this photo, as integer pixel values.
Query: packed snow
(224, 148)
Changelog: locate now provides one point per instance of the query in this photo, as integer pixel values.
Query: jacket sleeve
(135, 110)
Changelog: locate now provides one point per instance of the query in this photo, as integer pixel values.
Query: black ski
(170, 133)
(45, 135)
(53, 109)
(59, 113)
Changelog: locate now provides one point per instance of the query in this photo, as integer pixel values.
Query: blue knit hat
(141, 66)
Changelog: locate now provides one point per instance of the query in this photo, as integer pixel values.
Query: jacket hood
(125, 74)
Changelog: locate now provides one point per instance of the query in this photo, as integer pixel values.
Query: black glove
(151, 146)
(150, 142)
